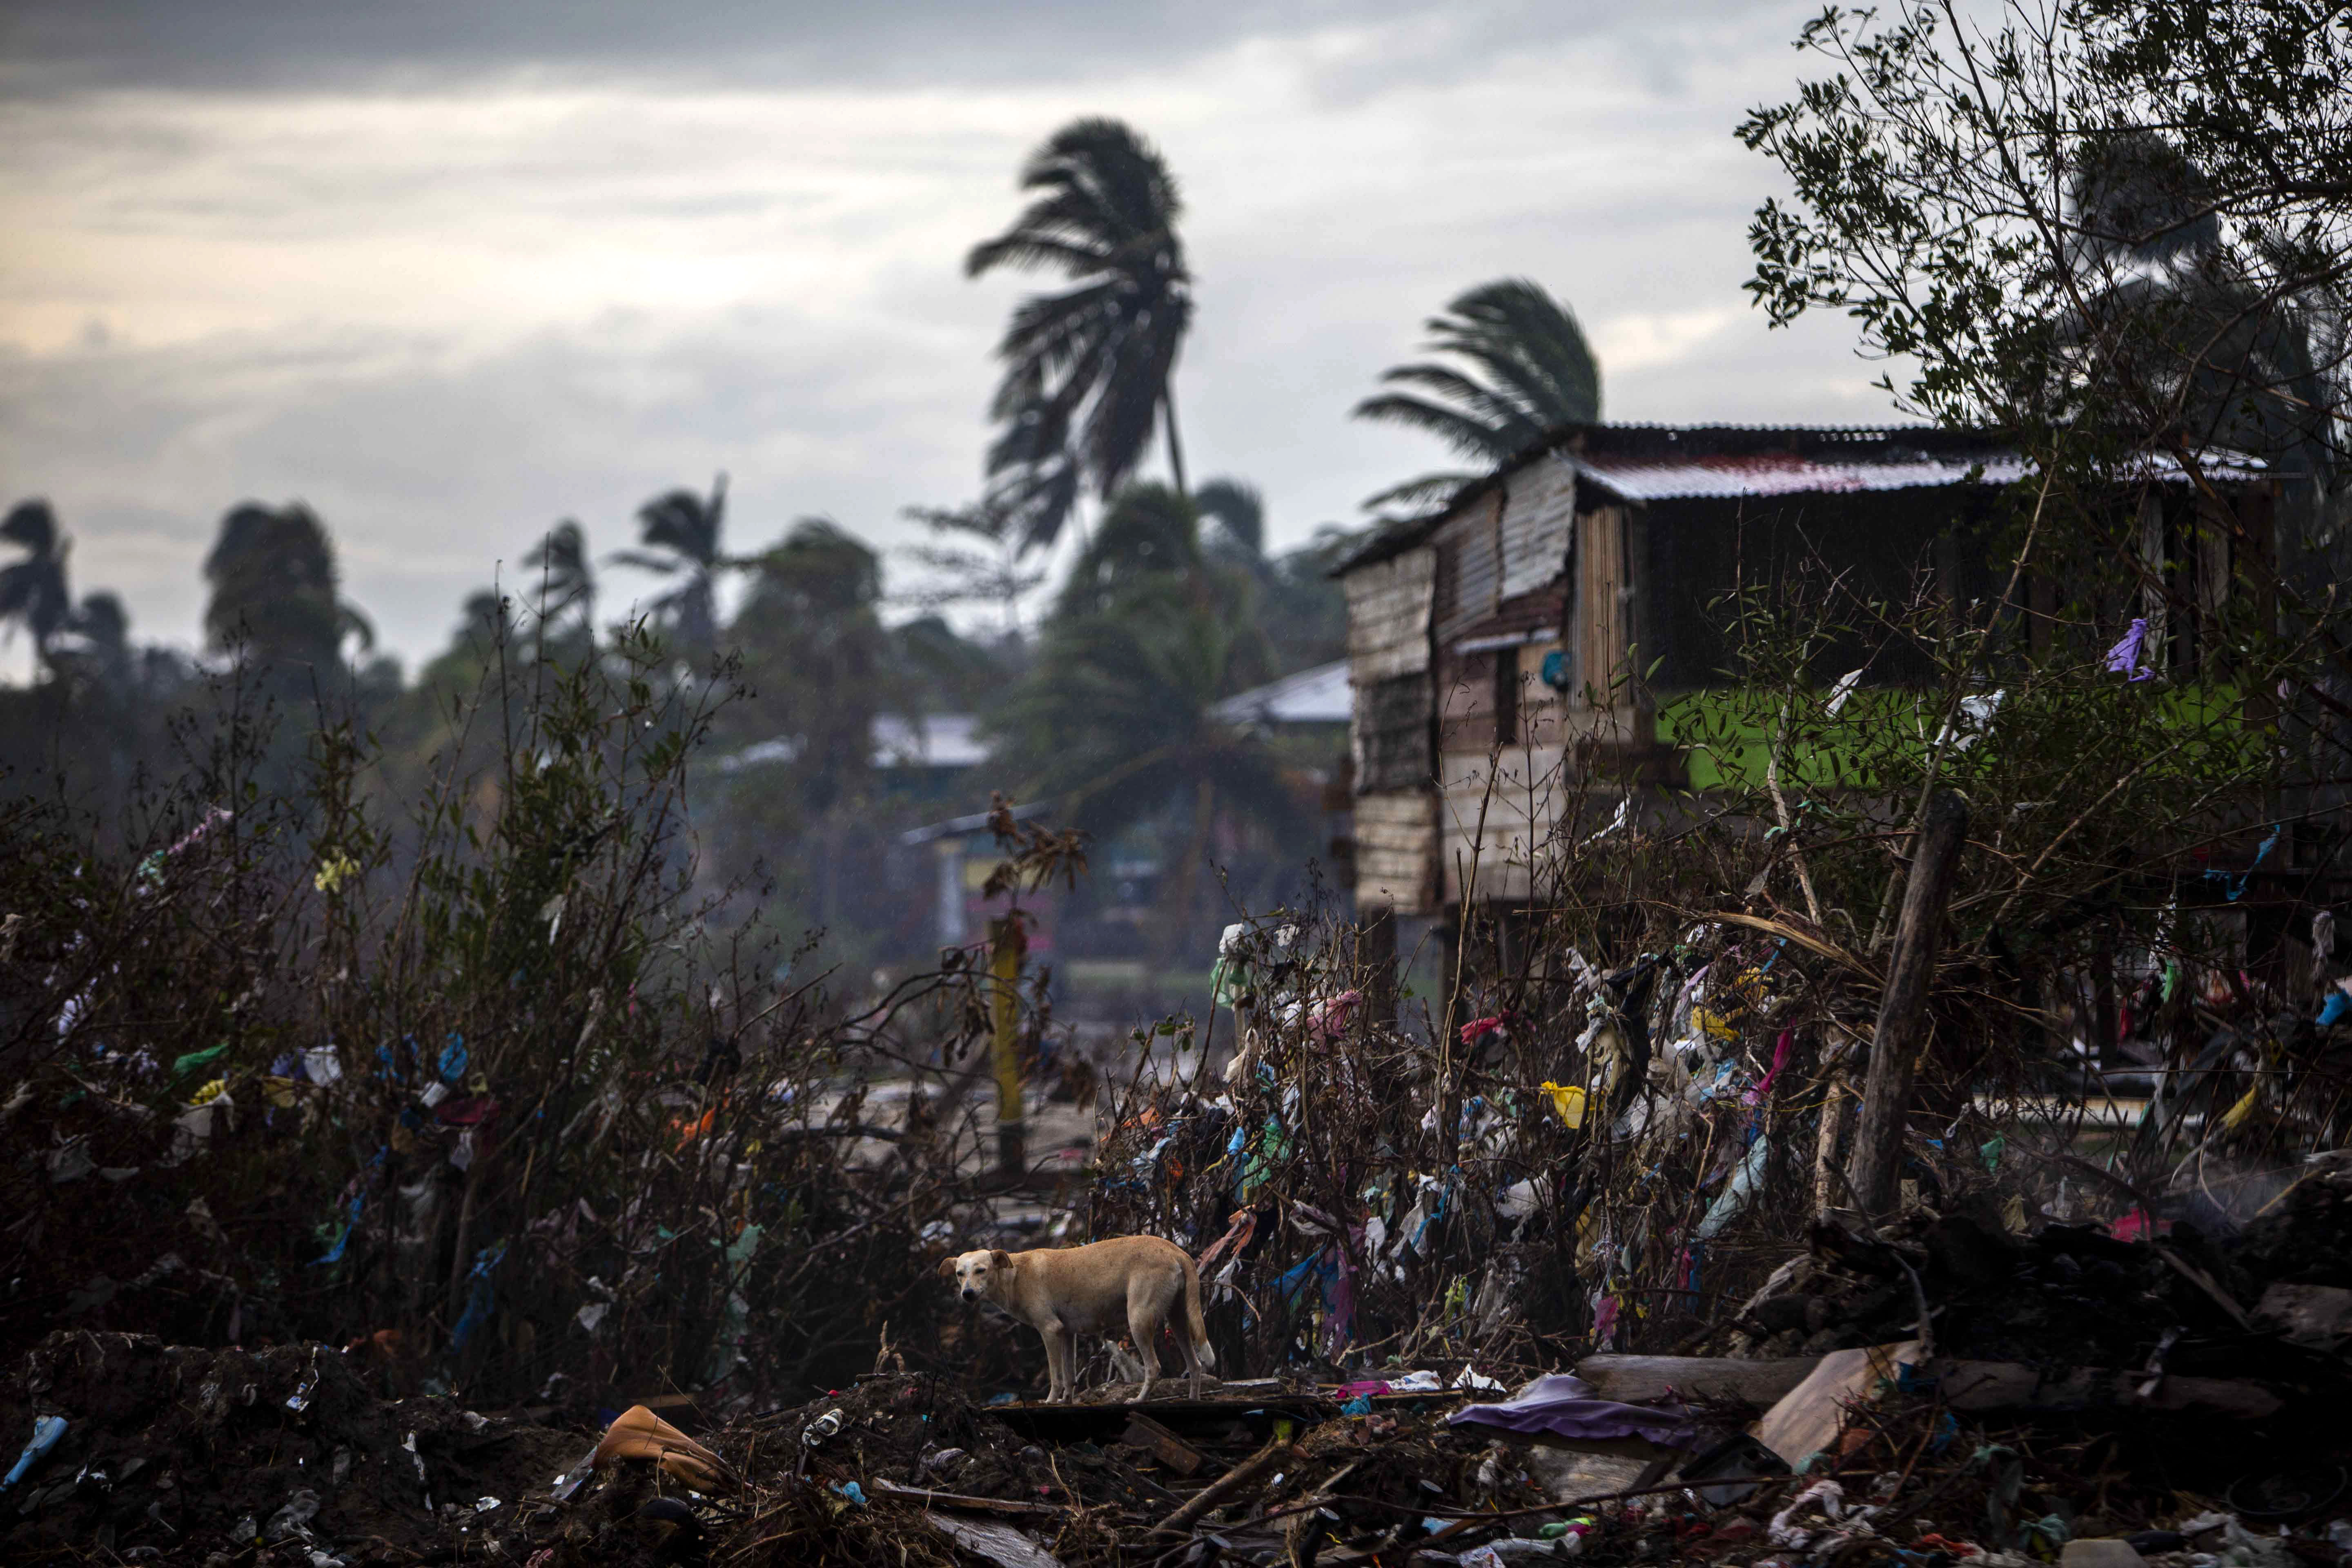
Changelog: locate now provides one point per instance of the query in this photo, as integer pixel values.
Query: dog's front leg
(1061, 1353)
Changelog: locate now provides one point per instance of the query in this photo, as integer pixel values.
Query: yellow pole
(1007, 946)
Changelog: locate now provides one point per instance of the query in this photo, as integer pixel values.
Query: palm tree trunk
(1175, 447)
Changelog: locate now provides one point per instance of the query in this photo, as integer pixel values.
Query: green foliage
(815, 660)
(2089, 224)
(456, 1075)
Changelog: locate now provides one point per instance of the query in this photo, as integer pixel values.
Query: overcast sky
(451, 271)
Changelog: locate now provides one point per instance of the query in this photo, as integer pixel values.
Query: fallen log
(1979, 1385)
(1633, 1379)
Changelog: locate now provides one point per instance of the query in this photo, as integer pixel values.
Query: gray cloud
(52, 46)
(448, 315)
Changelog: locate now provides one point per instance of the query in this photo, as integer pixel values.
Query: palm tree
(33, 591)
(1526, 371)
(567, 582)
(1118, 724)
(2210, 357)
(1118, 717)
(687, 529)
(275, 588)
(1239, 511)
(816, 658)
(1087, 371)
(101, 639)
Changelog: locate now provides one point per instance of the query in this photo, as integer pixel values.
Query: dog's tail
(1194, 1324)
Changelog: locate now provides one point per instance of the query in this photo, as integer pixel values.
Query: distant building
(928, 743)
(1317, 696)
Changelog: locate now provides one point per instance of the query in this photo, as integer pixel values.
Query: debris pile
(1923, 1448)
(174, 1453)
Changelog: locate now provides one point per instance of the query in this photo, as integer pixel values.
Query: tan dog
(1064, 1291)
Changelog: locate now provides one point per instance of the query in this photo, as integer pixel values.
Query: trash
(1566, 1406)
(1806, 1419)
(852, 1491)
(638, 1434)
(294, 1519)
(70, 1161)
(299, 1400)
(817, 1433)
(2123, 658)
(999, 1543)
(1567, 1102)
(1738, 1462)
(47, 1430)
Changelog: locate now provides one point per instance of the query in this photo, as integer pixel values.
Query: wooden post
(1837, 1114)
(1877, 1159)
(1007, 946)
(1376, 959)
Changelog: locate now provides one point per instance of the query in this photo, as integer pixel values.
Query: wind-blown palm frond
(1238, 510)
(276, 589)
(2219, 359)
(687, 529)
(1087, 370)
(567, 582)
(33, 591)
(1526, 370)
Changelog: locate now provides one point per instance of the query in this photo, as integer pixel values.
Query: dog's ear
(946, 1266)
(1000, 1257)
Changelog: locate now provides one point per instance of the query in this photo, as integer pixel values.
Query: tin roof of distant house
(1317, 696)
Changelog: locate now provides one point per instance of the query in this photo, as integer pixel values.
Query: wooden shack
(1506, 656)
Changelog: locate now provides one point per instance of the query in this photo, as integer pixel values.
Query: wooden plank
(1143, 1432)
(1599, 622)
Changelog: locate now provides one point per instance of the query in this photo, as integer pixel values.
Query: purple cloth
(1564, 1406)
(2123, 658)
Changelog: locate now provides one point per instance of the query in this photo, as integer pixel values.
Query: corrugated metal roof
(1318, 696)
(1785, 474)
(1695, 462)
(1723, 475)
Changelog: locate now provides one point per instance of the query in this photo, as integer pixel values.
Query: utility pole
(1007, 946)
